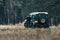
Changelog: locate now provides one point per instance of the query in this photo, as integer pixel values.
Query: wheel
(46, 26)
(27, 25)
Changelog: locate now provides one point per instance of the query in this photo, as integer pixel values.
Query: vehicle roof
(34, 13)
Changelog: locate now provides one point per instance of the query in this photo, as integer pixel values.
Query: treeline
(14, 11)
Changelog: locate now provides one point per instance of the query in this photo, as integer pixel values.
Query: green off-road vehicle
(37, 19)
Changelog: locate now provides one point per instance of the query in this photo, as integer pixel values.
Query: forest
(15, 11)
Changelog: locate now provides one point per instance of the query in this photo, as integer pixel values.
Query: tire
(46, 26)
(27, 25)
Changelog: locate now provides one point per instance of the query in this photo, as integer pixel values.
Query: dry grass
(18, 32)
(24, 34)
(16, 26)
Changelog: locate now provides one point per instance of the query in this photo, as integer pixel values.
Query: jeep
(37, 20)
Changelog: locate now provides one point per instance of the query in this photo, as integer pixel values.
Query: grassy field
(18, 32)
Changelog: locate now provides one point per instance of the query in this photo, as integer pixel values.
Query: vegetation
(30, 34)
(14, 11)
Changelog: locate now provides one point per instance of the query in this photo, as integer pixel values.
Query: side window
(47, 16)
(33, 16)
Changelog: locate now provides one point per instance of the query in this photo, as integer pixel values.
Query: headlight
(36, 21)
(43, 20)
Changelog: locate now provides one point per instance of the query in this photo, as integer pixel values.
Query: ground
(19, 32)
